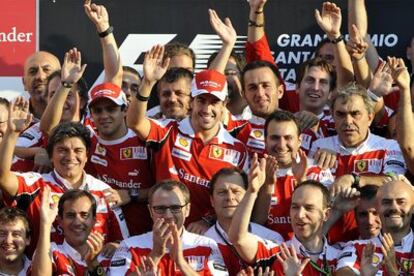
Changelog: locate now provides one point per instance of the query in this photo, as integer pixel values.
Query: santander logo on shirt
(193, 179)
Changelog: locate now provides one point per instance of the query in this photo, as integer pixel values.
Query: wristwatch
(67, 84)
(134, 194)
(357, 180)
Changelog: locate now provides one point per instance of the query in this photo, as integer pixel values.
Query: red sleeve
(344, 230)
(118, 229)
(259, 50)
(160, 129)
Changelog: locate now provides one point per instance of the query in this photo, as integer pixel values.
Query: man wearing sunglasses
(173, 250)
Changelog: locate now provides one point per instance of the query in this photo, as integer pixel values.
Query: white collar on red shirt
(66, 184)
(184, 126)
(72, 253)
(301, 250)
(356, 149)
(257, 120)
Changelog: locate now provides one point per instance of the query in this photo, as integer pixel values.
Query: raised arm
(227, 35)
(42, 262)
(255, 29)
(111, 57)
(154, 69)
(405, 118)
(330, 20)
(244, 242)
(72, 71)
(19, 120)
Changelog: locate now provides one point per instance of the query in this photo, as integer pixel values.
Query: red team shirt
(201, 253)
(375, 156)
(233, 263)
(351, 255)
(67, 261)
(124, 164)
(109, 222)
(180, 154)
(279, 213)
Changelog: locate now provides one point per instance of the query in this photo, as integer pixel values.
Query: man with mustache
(391, 251)
(362, 157)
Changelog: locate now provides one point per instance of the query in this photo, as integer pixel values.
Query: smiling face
(77, 220)
(367, 218)
(262, 91)
(13, 241)
(395, 203)
(69, 157)
(352, 120)
(206, 113)
(109, 119)
(130, 84)
(308, 213)
(175, 98)
(227, 194)
(314, 90)
(282, 141)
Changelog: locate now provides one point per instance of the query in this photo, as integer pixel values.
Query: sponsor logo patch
(133, 153)
(181, 154)
(100, 150)
(226, 155)
(257, 133)
(368, 165)
(183, 142)
(396, 163)
(27, 136)
(95, 159)
(116, 263)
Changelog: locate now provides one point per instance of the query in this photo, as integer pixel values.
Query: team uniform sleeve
(394, 160)
(159, 131)
(216, 262)
(121, 262)
(118, 229)
(259, 50)
(349, 258)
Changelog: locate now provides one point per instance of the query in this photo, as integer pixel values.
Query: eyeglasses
(175, 209)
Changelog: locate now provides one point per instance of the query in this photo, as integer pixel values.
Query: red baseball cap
(211, 82)
(109, 91)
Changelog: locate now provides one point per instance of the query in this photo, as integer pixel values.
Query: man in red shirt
(193, 149)
(67, 148)
(174, 250)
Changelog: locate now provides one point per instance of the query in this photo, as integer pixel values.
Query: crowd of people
(233, 173)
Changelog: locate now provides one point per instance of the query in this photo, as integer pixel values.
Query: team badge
(257, 133)
(126, 153)
(183, 142)
(406, 264)
(100, 150)
(361, 165)
(216, 153)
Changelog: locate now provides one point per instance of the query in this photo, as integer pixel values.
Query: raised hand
(224, 30)
(387, 248)
(325, 158)
(257, 173)
(98, 15)
(381, 83)
(161, 235)
(72, 68)
(154, 66)
(292, 265)
(19, 115)
(95, 244)
(175, 246)
(147, 267)
(346, 199)
(330, 19)
(49, 208)
(299, 165)
(356, 45)
(368, 268)
(271, 169)
(257, 5)
(399, 72)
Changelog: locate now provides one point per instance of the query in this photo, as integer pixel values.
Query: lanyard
(325, 270)
(233, 250)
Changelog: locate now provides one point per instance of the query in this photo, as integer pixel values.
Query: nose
(281, 143)
(301, 212)
(348, 119)
(9, 238)
(261, 91)
(316, 85)
(168, 214)
(40, 74)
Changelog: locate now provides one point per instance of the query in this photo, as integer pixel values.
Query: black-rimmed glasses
(175, 209)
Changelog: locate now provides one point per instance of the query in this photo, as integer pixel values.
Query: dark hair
(81, 85)
(260, 64)
(368, 192)
(131, 70)
(173, 49)
(318, 185)
(175, 74)
(10, 215)
(73, 195)
(322, 43)
(281, 116)
(238, 57)
(227, 172)
(68, 130)
(316, 62)
(5, 102)
(169, 185)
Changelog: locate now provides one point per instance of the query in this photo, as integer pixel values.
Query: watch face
(100, 270)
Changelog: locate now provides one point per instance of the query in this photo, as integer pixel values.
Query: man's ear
(280, 89)
(187, 210)
(326, 213)
(24, 84)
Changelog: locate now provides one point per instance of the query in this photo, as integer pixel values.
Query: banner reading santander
(18, 40)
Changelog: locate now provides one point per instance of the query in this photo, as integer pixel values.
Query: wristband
(372, 95)
(357, 180)
(258, 12)
(254, 24)
(67, 84)
(142, 98)
(98, 271)
(337, 40)
(107, 32)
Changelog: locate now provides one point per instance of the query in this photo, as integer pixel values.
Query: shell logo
(183, 142)
(257, 133)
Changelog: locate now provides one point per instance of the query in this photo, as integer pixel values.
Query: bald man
(37, 68)
(394, 203)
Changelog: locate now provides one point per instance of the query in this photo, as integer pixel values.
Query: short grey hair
(353, 89)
